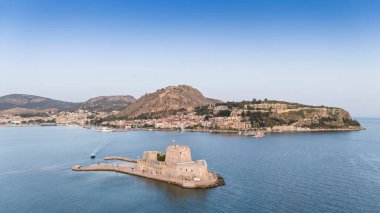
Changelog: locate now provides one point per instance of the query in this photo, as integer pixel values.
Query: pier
(131, 160)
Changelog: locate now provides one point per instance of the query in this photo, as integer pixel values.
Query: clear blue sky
(314, 52)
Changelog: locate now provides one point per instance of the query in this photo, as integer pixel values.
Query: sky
(321, 52)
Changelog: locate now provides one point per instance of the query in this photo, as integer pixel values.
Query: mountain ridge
(108, 103)
(33, 102)
(25, 103)
(165, 101)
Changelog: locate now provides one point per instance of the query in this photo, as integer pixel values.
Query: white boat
(259, 135)
(255, 134)
(92, 155)
(104, 129)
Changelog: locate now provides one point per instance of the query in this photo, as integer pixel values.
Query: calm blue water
(309, 172)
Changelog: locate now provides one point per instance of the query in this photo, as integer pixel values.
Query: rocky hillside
(292, 115)
(108, 103)
(33, 102)
(166, 101)
(317, 117)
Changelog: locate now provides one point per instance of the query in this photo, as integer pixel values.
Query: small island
(174, 167)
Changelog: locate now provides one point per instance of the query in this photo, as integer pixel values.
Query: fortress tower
(178, 154)
(151, 155)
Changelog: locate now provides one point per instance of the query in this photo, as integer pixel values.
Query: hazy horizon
(312, 52)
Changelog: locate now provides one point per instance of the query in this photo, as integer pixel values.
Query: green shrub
(161, 157)
(224, 113)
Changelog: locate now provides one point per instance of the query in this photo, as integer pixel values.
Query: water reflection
(175, 192)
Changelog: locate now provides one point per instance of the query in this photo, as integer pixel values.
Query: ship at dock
(175, 166)
(104, 129)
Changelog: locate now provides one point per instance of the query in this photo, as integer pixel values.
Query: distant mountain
(33, 102)
(166, 101)
(108, 103)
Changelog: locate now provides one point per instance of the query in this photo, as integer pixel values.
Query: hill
(167, 101)
(33, 102)
(284, 116)
(108, 103)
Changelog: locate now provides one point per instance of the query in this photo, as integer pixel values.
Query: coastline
(211, 131)
(221, 131)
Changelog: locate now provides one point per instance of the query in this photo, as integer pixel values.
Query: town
(252, 118)
(179, 121)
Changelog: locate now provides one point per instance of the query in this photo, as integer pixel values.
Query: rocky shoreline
(239, 133)
(213, 131)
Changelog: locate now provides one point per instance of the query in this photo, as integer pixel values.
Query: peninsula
(175, 167)
(176, 108)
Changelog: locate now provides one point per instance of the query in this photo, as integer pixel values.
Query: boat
(92, 156)
(255, 134)
(258, 135)
(104, 129)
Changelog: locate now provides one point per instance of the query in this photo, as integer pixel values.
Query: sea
(284, 172)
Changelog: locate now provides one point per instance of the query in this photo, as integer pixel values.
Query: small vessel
(259, 135)
(92, 156)
(104, 129)
(255, 134)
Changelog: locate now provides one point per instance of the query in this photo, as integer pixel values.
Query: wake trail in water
(101, 147)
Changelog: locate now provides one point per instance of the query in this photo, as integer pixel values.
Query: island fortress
(175, 167)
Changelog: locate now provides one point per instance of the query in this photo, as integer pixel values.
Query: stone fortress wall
(178, 168)
(178, 164)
